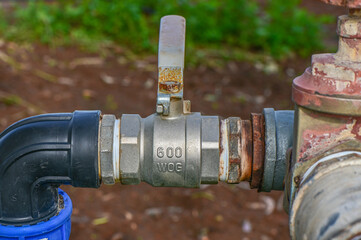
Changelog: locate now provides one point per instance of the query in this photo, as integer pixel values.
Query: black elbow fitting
(40, 153)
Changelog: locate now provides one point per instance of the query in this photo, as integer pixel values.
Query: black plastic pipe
(40, 153)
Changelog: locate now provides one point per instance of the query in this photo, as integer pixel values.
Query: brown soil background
(66, 79)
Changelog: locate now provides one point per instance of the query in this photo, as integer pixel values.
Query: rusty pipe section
(235, 150)
(256, 150)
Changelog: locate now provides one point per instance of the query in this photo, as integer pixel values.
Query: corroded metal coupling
(256, 150)
(236, 150)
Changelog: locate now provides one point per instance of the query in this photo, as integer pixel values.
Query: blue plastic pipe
(56, 228)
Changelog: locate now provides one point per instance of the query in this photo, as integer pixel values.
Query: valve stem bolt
(159, 109)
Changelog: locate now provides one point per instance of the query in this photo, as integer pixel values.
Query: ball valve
(177, 148)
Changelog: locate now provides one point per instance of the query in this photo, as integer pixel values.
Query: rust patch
(351, 42)
(320, 138)
(170, 79)
(246, 150)
(333, 83)
(355, 236)
(305, 99)
(170, 87)
(326, 94)
(258, 146)
(235, 150)
(354, 11)
(297, 180)
(236, 164)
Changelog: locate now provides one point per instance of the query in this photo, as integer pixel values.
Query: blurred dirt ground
(38, 79)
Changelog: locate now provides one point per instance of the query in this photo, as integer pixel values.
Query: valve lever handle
(170, 62)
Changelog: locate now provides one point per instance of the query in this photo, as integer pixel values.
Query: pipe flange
(278, 139)
(270, 149)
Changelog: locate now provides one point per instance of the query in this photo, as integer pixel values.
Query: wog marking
(170, 152)
(170, 167)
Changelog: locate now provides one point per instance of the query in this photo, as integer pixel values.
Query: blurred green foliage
(279, 29)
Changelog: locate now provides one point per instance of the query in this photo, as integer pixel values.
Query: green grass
(228, 28)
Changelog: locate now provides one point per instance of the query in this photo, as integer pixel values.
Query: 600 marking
(170, 152)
